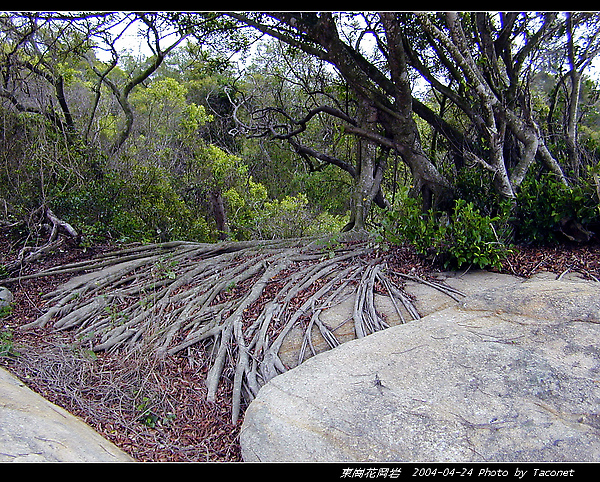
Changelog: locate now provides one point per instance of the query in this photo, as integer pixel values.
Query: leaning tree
(483, 63)
(378, 78)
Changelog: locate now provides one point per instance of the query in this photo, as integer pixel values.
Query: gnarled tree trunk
(385, 98)
(218, 207)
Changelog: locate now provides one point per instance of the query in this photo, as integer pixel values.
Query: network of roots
(236, 300)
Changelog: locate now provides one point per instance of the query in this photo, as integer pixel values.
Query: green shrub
(473, 239)
(326, 223)
(7, 346)
(286, 218)
(140, 206)
(409, 224)
(475, 184)
(543, 203)
(292, 217)
(464, 237)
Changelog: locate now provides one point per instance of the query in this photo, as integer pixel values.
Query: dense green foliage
(463, 238)
(546, 212)
(544, 204)
(179, 167)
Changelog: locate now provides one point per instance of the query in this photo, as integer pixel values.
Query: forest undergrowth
(161, 347)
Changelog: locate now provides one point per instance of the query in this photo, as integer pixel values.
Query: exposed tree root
(58, 232)
(237, 300)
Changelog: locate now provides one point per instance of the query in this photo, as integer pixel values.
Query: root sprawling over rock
(236, 300)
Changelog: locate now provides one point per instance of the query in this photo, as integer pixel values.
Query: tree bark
(495, 97)
(218, 206)
(573, 104)
(426, 178)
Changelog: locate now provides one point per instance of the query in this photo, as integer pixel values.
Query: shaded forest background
(461, 134)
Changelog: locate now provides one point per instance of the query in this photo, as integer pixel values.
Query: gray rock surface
(6, 297)
(510, 373)
(34, 430)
